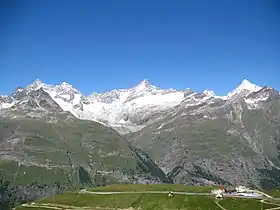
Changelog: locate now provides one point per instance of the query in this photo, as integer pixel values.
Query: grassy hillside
(39, 159)
(146, 201)
(74, 150)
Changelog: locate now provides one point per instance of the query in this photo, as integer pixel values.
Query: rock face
(35, 99)
(196, 138)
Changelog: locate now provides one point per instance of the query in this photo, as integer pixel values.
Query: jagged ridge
(129, 110)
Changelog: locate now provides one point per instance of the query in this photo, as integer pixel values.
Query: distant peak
(143, 85)
(37, 82)
(19, 89)
(65, 84)
(245, 85)
(209, 92)
(35, 85)
(246, 82)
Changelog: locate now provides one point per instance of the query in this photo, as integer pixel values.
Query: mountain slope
(195, 137)
(42, 159)
(46, 150)
(66, 145)
(234, 141)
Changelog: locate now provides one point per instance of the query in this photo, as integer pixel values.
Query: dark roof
(230, 189)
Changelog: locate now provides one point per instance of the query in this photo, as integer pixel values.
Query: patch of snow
(20, 89)
(256, 100)
(6, 105)
(169, 99)
(121, 121)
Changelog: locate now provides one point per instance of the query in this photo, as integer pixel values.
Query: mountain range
(194, 138)
(130, 110)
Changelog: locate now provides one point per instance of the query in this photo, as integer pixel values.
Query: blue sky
(102, 45)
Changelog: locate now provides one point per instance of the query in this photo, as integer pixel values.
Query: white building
(242, 189)
(217, 191)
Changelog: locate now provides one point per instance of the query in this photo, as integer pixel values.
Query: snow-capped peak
(65, 84)
(209, 93)
(145, 84)
(65, 87)
(35, 85)
(37, 82)
(19, 89)
(244, 86)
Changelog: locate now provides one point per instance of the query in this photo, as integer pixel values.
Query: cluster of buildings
(236, 191)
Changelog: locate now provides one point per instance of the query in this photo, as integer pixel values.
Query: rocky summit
(172, 135)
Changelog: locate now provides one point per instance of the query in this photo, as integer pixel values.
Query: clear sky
(101, 45)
